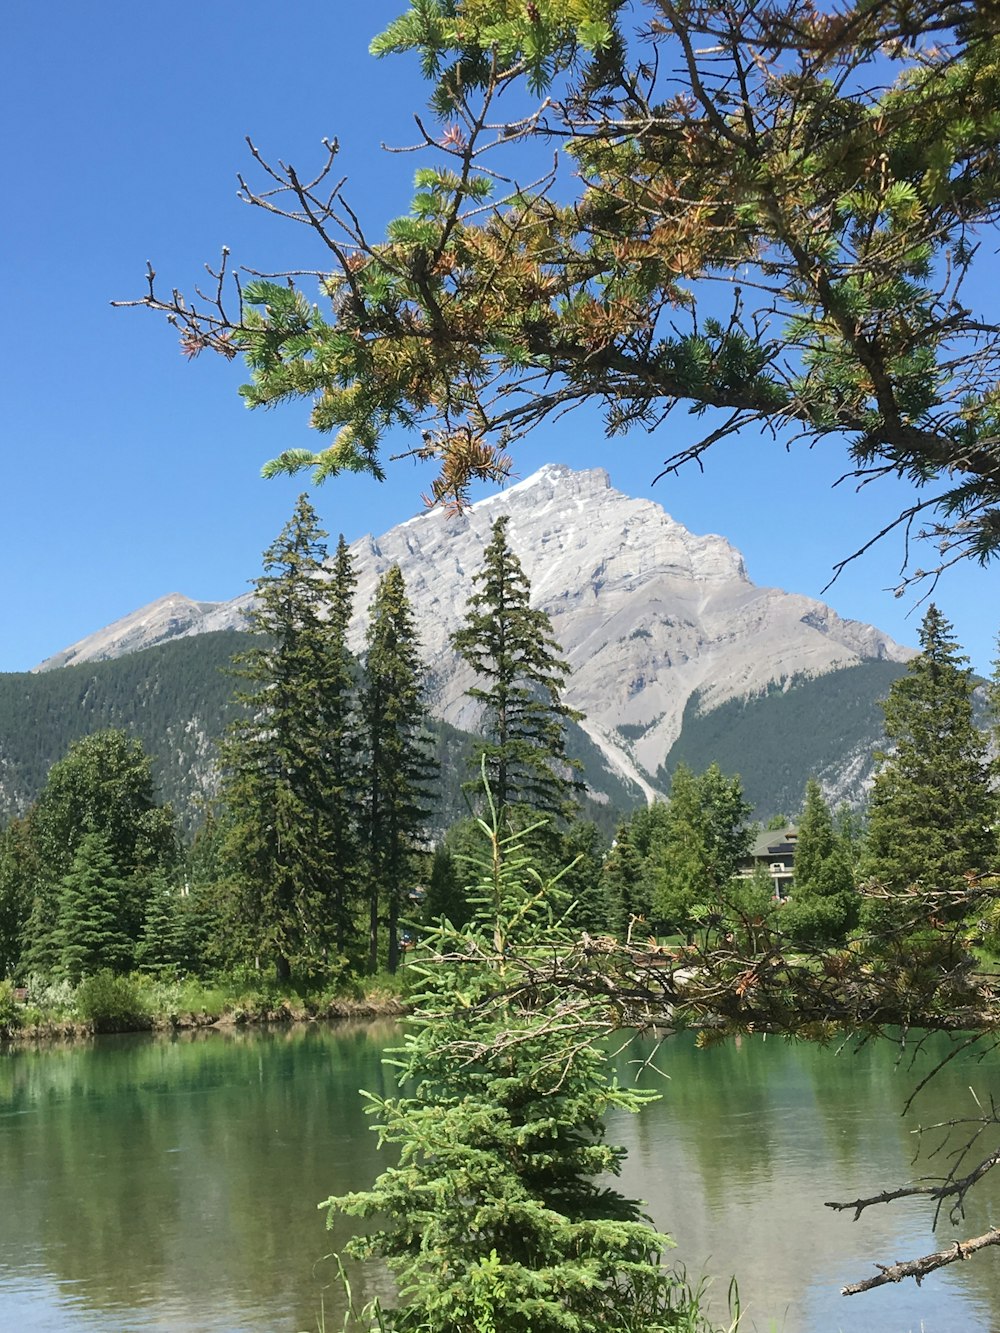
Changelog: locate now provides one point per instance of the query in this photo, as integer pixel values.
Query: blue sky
(129, 472)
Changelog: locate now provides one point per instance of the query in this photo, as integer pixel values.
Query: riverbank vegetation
(136, 1002)
(315, 867)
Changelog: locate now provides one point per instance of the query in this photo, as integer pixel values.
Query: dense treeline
(177, 699)
(97, 873)
(313, 856)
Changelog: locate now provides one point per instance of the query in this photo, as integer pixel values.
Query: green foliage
(746, 914)
(17, 873)
(628, 873)
(825, 903)
(508, 645)
(11, 1012)
(776, 740)
(496, 1216)
(446, 896)
(398, 769)
(704, 840)
(933, 813)
(164, 946)
(581, 849)
(91, 934)
(100, 794)
(103, 785)
(112, 1002)
(288, 785)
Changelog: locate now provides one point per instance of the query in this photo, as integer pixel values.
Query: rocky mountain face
(167, 618)
(649, 616)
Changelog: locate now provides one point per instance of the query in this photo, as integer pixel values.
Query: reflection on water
(171, 1183)
(751, 1138)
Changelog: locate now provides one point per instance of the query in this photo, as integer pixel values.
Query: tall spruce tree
(933, 811)
(509, 645)
(498, 1217)
(163, 946)
(397, 766)
(343, 742)
(283, 791)
(824, 903)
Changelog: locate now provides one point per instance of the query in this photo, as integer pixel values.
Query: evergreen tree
(705, 839)
(933, 811)
(285, 780)
(102, 786)
(91, 934)
(17, 874)
(446, 898)
(509, 645)
(627, 874)
(498, 1215)
(343, 743)
(824, 903)
(398, 767)
(163, 945)
(582, 848)
(205, 903)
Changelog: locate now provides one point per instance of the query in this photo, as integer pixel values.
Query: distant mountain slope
(176, 698)
(168, 618)
(825, 727)
(649, 615)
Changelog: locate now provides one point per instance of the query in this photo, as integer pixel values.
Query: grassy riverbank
(140, 1003)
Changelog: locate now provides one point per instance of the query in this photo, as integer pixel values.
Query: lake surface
(171, 1183)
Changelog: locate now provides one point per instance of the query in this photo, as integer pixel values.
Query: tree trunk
(393, 931)
(373, 927)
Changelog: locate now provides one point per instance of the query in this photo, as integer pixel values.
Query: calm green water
(171, 1184)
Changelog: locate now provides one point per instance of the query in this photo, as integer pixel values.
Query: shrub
(11, 1013)
(112, 1002)
(53, 999)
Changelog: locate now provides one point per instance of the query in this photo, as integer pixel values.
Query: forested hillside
(824, 726)
(177, 698)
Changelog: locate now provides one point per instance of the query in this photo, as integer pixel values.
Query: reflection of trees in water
(751, 1139)
(708, 1100)
(183, 1173)
(138, 1164)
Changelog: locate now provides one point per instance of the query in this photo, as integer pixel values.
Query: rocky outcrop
(167, 618)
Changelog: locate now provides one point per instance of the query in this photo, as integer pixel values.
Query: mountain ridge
(648, 614)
